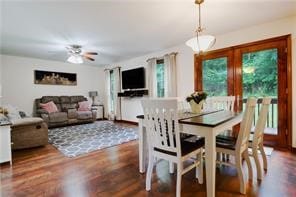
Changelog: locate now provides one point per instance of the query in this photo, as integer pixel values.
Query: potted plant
(196, 101)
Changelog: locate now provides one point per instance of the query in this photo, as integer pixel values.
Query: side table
(100, 111)
(5, 142)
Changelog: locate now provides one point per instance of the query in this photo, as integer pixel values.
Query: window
(214, 76)
(160, 77)
(112, 91)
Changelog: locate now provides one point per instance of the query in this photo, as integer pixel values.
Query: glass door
(214, 73)
(260, 79)
(263, 74)
(256, 69)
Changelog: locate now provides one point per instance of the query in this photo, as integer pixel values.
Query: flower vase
(196, 108)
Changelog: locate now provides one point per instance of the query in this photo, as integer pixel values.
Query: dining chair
(256, 138)
(164, 142)
(220, 102)
(238, 147)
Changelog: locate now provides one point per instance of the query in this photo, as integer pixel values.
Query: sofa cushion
(77, 99)
(26, 122)
(65, 99)
(72, 113)
(84, 106)
(84, 115)
(50, 107)
(46, 99)
(58, 117)
(66, 106)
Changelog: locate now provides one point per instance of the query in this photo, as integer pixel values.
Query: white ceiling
(122, 29)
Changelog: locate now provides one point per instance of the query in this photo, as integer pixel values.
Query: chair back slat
(246, 124)
(261, 122)
(220, 102)
(161, 120)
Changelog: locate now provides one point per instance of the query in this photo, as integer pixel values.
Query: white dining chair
(238, 147)
(161, 120)
(220, 103)
(256, 139)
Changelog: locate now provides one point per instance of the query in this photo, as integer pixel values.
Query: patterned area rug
(80, 139)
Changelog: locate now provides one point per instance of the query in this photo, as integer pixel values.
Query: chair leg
(238, 162)
(179, 177)
(149, 172)
(261, 148)
(247, 158)
(199, 169)
(171, 167)
(257, 162)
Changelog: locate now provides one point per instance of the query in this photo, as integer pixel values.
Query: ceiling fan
(76, 54)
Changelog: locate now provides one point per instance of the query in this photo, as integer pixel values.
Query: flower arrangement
(197, 97)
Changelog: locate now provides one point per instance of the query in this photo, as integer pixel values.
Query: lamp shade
(75, 59)
(93, 93)
(201, 43)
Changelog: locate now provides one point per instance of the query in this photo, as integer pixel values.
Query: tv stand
(133, 93)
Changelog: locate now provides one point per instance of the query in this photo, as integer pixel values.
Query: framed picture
(55, 78)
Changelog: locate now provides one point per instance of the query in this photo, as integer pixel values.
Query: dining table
(207, 124)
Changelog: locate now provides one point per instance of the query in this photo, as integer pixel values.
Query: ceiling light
(75, 59)
(200, 43)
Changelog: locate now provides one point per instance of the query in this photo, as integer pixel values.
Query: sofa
(68, 112)
(28, 132)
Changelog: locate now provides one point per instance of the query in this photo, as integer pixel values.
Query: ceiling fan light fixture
(75, 59)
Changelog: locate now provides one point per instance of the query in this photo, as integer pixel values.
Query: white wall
(18, 86)
(0, 80)
(185, 61)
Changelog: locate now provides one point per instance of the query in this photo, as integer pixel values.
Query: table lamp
(93, 95)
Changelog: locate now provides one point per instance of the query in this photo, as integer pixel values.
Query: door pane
(214, 76)
(260, 78)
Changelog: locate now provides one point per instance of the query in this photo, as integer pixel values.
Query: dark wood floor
(114, 172)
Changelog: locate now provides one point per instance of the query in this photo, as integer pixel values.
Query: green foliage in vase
(197, 97)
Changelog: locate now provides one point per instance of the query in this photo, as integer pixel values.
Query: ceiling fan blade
(89, 58)
(91, 53)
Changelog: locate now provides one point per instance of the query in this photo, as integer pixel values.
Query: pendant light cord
(199, 29)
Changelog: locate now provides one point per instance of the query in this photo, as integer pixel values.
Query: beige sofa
(67, 111)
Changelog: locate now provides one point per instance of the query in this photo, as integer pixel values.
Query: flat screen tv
(133, 79)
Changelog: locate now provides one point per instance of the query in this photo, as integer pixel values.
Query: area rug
(81, 139)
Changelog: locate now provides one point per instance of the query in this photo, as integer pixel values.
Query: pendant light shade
(201, 43)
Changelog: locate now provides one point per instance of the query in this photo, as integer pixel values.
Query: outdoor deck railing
(272, 118)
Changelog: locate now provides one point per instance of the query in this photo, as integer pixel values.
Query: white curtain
(170, 75)
(107, 94)
(152, 81)
(117, 88)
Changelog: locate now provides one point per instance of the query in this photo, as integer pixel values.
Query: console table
(5, 142)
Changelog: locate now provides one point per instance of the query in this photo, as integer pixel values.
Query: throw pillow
(13, 112)
(50, 107)
(84, 106)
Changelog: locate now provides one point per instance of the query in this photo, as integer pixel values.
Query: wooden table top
(211, 119)
(208, 119)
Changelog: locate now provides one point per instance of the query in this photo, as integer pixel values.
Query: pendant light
(200, 43)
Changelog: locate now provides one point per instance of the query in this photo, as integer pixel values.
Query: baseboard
(128, 122)
(293, 150)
